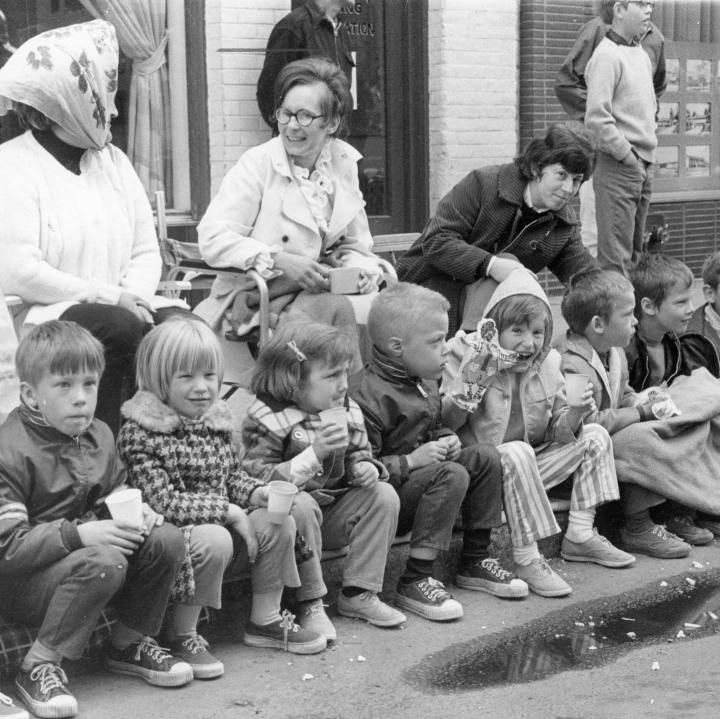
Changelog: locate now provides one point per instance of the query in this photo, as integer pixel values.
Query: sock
(638, 522)
(475, 545)
(350, 592)
(580, 525)
(417, 569)
(265, 607)
(524, 555)
(183, 620)
(39, 654)
(122, 636)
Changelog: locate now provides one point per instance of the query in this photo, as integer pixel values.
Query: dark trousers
(65, 599)
(431, 497)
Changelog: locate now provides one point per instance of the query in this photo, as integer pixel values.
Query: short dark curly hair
(573, 149)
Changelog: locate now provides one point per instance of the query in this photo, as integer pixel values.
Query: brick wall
(473, 85)
(233, 116)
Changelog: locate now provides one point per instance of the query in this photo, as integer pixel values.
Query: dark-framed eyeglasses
(304, 117)
(642, 3)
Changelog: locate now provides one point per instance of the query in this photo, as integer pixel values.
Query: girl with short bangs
(177, 445)
(302, 428)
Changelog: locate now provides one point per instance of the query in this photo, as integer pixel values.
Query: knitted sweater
(621, 100)
(67, 237)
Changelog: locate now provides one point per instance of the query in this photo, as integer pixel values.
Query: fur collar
(152, 414)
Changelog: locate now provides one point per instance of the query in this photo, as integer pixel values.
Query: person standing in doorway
(312, 30)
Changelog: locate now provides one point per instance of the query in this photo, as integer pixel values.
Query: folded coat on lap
(678, 458)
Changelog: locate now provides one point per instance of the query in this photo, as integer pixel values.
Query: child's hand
(259, 496)
(586, 407)
(107, 533)
(453, 446)
(427, 453)
(330, 438)
(239, 521)
(365, 474)
(150, 518)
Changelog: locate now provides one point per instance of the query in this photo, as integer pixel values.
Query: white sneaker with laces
(312, 616)
(368, 606)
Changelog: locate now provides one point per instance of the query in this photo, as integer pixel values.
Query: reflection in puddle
(578, 643)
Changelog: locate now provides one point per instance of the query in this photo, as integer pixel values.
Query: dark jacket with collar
(305, 32)
(475, 221)
(401, 413)
(50, 482)
(682, 355)
(570, 86)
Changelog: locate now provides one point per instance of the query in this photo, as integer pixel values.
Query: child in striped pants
(517, 401)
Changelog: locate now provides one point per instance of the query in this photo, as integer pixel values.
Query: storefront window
(152, 126)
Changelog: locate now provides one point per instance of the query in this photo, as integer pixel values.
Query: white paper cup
(125, 507)
(334, 415)
(575, 385)
(344, 280)
(280, 499)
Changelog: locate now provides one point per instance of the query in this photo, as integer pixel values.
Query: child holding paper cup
(542, 441)
(62, 559)
(177, 445)
(302, 428)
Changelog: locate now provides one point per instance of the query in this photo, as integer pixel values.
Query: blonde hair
(399, 310)
(284, 363)
(180, 343)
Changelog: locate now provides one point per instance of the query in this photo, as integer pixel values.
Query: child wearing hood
(503, 385)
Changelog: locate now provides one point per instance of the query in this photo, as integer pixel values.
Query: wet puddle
(536, 651)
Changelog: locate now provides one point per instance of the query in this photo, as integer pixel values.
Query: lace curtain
(141, 27)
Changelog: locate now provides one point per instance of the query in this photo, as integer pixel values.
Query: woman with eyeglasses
(291, 208)
(503, 217)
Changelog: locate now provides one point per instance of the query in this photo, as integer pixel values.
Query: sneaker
(193, 651)
(685, 528)
(8, 710)
(428, 598)
(284, 634)
(656, 542)
(311, 616)
(710, 522)
(368, 606)
(150, 661)
(44, 691)
(597, 549)
(542, 579)
(488, 575)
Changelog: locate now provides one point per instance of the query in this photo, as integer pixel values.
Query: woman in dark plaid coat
(499, 217)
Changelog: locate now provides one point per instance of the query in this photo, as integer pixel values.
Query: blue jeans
(65, 599)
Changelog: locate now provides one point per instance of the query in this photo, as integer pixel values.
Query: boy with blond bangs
(662, 350)
(62, 559)
(598, 306)
(522, 409)
(433, 475)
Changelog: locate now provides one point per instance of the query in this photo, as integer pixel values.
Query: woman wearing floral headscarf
(77, 239)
